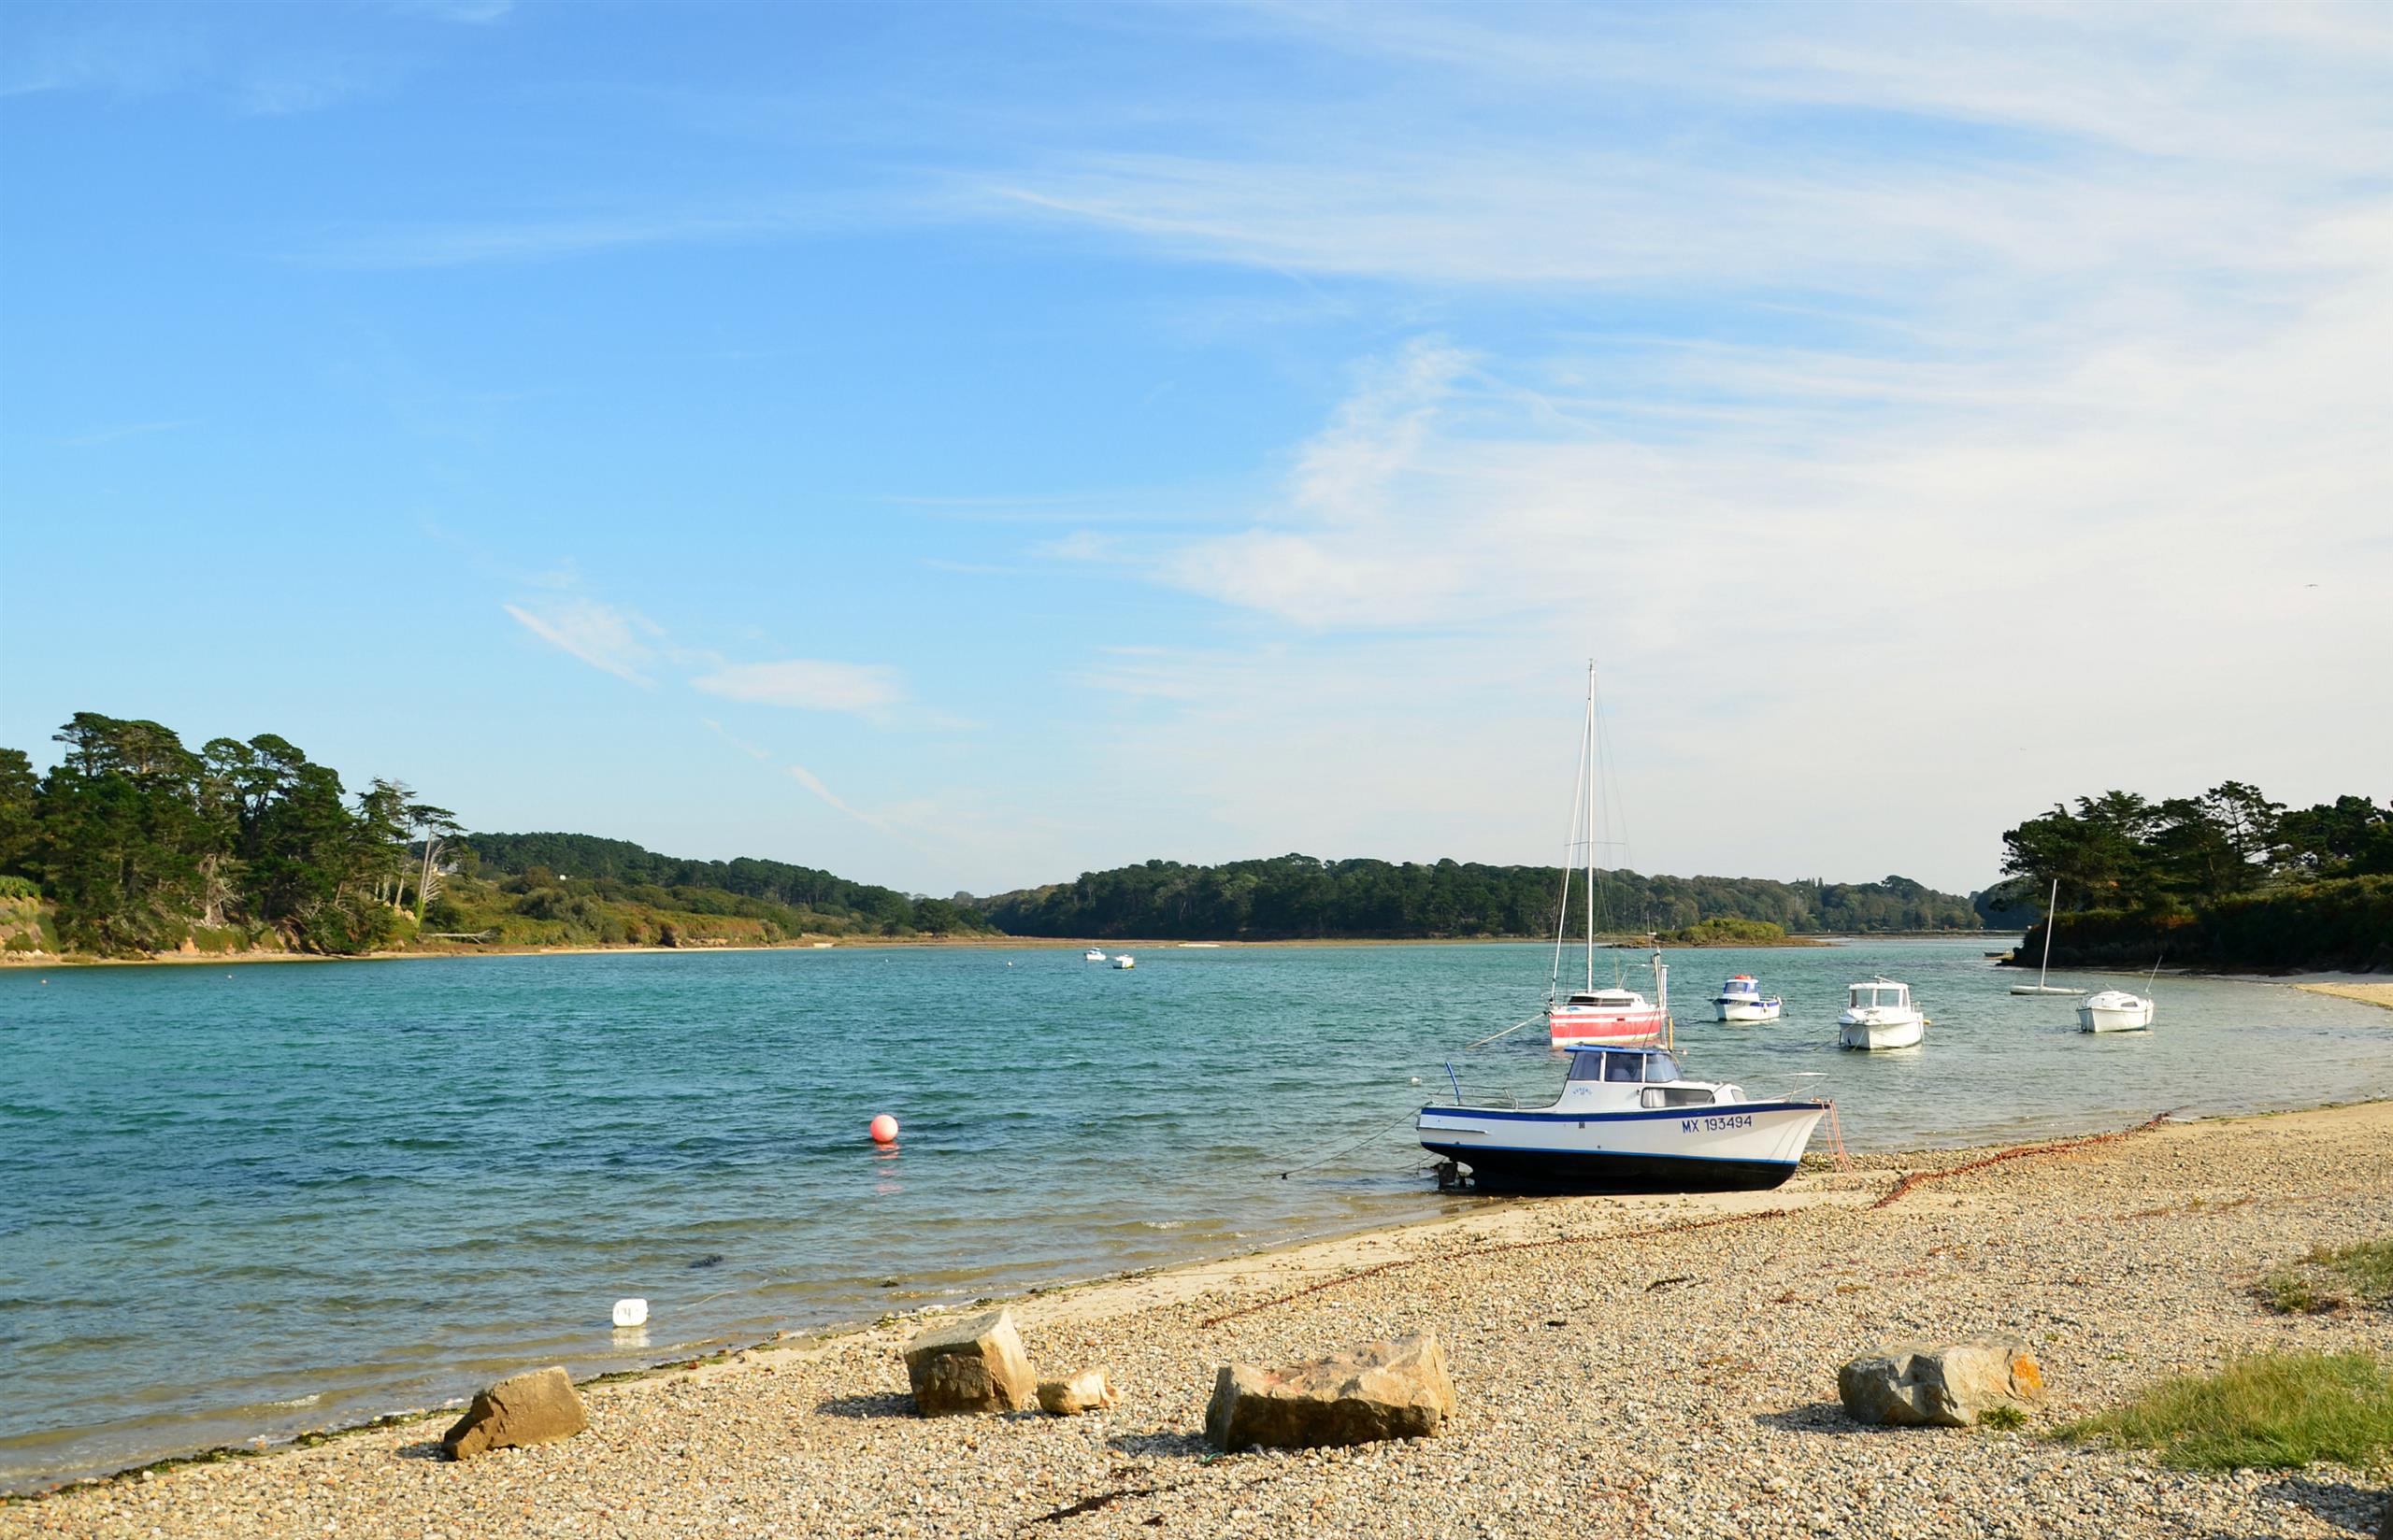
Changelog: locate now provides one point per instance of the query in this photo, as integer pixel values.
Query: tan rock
(975, 1364)
(539, 1407)
(1087, 1392)
(1913, 1385)
(1383, 1390)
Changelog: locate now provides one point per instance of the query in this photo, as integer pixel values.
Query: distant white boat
(1091, 955)
(1740, 1000)
(1879, 1016)
(1125, 960)
(2052, 908)
(2114, 1011)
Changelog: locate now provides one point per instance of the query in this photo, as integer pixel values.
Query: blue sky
(961, 447)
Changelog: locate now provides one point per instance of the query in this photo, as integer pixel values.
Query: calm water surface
(258, 1200)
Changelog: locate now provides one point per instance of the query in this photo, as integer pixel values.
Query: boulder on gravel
(1087, 1392)
(975, 1364)
(1913, 1385)
(539, 1407)
(1381, 1390)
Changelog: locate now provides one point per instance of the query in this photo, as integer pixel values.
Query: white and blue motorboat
(1740, 1000)
(1628, 1120)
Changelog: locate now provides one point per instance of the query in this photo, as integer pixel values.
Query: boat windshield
(1866, 995)
(1624, 1066)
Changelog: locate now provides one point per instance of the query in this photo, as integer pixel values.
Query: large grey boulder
(539, 1407)
(1943, 1387)
(975, 1364)
(1381, 1390)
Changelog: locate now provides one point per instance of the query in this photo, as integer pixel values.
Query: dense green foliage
(2223, 880)
(2274, 1411)
(140, 842)
(596, 892)
(1728, 930)
(1300, 897)
(137, 843)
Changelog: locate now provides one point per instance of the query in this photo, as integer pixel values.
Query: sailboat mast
(1562, 910)
(1589, 749)
(2051, 905)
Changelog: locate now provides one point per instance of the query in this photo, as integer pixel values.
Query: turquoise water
(259, 1200)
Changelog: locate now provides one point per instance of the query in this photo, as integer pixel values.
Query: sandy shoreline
(1622, 1370)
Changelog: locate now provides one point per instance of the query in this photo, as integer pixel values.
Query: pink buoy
(884, 1130)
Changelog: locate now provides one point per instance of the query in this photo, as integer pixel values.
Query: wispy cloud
(807, 684)
(607, 637)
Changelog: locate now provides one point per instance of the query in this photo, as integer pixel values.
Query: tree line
(2226, 877)
(138, 840)
(141, 844)
(1300, 897)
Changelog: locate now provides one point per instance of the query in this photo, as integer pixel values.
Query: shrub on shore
(2278, 1411)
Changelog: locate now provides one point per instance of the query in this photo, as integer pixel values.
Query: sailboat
(2052, 916)
(1617, 1017)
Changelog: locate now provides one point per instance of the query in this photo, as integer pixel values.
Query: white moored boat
(1880, 1015)
(1740, 1000)
(2114, 1011)
(1617, 1016)
(1627, 1122)
(1091, 955)
(1123, 959)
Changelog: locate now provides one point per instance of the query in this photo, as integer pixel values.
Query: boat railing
(1478, 1096)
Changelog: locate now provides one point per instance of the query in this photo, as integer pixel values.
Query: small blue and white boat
(1740, 1000)
(1628, 1120)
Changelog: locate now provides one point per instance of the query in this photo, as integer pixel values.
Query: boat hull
(1745, 1010)
(2114, 1017)
(1629, 1029)
(1881, 1037)
(1733, 1147)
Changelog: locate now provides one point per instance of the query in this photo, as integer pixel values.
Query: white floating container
(631, 1312)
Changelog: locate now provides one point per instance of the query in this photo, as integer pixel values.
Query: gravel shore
(1624, 1368)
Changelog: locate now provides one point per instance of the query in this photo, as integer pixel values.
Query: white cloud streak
(605, 636)
(806, 684)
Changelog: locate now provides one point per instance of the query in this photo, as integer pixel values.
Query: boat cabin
(1881, 995)
(1633, 1078)
(1742, 985)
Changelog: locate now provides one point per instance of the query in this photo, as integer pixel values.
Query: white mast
(1590, 751)
(1578, 810)
(2050, 904)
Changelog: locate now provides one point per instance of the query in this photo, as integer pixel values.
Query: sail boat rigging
(2052, 919)
(1617, 1016)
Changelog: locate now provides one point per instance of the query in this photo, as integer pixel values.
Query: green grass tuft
(2331, 1277)
(2278, 1411)
(2002, 1419)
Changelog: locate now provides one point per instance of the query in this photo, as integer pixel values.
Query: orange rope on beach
(1680, 1228)
(1916, 1179)
(2059, 1146)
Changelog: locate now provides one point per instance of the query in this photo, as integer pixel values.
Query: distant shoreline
(998, 943)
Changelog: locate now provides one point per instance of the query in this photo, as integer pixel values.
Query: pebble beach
(1654, 1366)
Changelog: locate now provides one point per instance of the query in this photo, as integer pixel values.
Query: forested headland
(2223, 879)
(137, 843)
(1299, 897)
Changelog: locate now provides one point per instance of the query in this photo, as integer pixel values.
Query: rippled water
(264, 1198)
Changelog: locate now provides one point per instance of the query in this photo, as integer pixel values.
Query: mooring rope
(1344, 1150)
(1911, 1180)
(2020, 1152)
